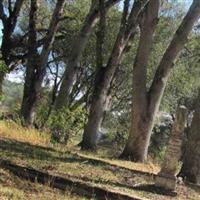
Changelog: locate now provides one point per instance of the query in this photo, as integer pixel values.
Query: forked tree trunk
(105, 75)
(191, 159)
(36, 64)
(146, 105)
(78, 46)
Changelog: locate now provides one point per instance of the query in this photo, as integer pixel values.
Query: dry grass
(12, 130)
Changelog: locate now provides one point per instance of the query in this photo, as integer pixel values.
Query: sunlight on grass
(14, 131)
(149, 167)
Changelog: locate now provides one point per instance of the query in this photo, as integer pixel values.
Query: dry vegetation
(9, 129)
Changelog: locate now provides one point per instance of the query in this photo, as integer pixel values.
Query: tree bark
(105, 75)
(78, 46)
(191, 159)
(2, 76)
(146, 105)
(30, 91)
(142, 120)
(36, 64)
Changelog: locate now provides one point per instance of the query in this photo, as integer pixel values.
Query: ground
(31, 149)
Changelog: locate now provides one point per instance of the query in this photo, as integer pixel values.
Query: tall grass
(12, 130)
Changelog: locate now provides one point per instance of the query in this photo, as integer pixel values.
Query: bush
(65, 123)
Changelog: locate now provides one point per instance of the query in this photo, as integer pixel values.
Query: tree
(36, 62)
(10, 41)
(106, 74)
(146, 102)
(78, 45)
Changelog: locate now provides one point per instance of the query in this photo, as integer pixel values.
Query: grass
(12, 130)
(33, 149)
(12, 188)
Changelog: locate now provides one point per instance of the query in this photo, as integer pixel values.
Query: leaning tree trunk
(36, 64)
(78, 46)
(142, 120)
(105, 76)
(191, 159)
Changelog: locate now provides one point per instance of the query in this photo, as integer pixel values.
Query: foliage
(65, 123)
(3, 67)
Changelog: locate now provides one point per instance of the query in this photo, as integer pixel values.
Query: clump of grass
(12, 130)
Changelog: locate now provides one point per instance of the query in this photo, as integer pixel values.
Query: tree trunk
(2, 76)
(93, 126)
(191, 159)
(32, 88)
(136, 148)
(142, 119)
(78, 46)
(149, 102)
(105, 76)
(32, 70)
(36, 64)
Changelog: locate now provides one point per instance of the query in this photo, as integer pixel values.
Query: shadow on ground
(29, 151)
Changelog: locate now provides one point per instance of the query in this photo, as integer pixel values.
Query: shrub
(65, 123)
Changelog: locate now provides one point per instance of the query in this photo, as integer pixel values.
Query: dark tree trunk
(146, 104)
(33, 73)
(32, 89)
(36, 64)
(191, 159)
(105, 76)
